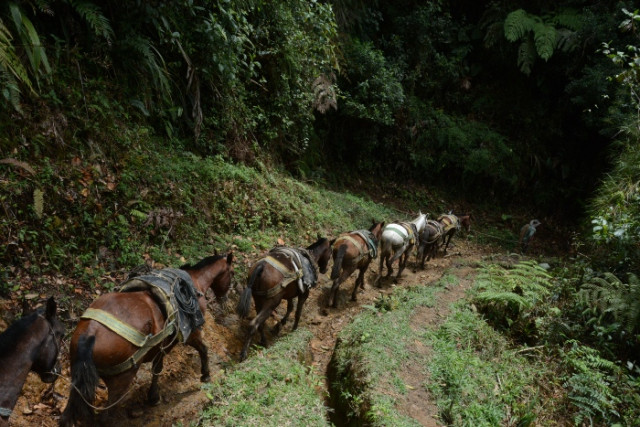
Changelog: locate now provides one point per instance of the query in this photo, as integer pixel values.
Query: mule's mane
(316, 244)
(9, 338)
(205, 262)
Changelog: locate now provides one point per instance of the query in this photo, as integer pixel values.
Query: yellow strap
(287, 273)
(121, 328)
(134, 360)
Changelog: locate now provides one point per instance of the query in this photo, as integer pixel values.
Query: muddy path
(182, 398)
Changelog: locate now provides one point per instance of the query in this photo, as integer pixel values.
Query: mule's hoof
(205, 378)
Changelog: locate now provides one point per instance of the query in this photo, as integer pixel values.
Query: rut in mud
(181, 396)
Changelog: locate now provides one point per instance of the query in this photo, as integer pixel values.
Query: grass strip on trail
(471, 371)
(274, 387)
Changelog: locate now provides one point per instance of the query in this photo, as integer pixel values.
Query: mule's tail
(337, 262)
(244, 305)
(84, 380)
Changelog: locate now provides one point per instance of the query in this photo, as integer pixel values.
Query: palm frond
(30, 40)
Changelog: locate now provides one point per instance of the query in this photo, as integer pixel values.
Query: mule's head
(376, 229)
(420, 221)
(321, 251)
(222, 281)
(46, 363)
(465, 222)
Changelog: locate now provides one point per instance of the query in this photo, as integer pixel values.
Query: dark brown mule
(351, 251)
(452, 223)
(96, 350)
(31, 343)
(268, 285)
(428, 242)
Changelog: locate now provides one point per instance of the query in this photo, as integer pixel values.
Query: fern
(588, 384)
(608, 299)
(94, 17)
(508, 296)
(517, 25)
(526, 56)
(149, 58)
(545, 39)
(541, 37)
(570, 19)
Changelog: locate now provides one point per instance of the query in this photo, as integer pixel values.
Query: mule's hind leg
(117, 387)
(359, 282)
(153, 397)
(195, 341)
(333, 294)
(402, 261)
(258, 322)
(283, 321)
(301, 299)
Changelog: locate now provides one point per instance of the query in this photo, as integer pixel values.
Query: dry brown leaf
(19, 164)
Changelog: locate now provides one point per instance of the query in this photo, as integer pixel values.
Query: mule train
(156, 309)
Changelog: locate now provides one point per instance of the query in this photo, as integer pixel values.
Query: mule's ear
(332, 241)
(318, 236)
(51, 308)
(230, 258)
(373, 221)
(215, 251)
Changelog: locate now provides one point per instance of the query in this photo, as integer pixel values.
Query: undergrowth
(85, 217)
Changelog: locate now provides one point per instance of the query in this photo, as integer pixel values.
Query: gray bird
(526, 233)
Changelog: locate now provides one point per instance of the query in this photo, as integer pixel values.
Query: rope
(97, 408)
(492, 236)
(188, 302)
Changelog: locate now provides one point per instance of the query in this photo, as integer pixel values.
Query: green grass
(475, 375)
(272, 388)
(370, 353)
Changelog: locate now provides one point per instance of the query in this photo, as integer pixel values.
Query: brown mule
(96, 351)
(276, 277)
(351, 251)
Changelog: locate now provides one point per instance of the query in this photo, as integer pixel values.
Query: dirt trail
(181, 396)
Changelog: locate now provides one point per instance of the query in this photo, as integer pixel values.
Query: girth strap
(135, 337)
(288, 274)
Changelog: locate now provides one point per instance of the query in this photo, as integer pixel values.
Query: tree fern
(545, 39)
(517, 25)
(540, 37)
